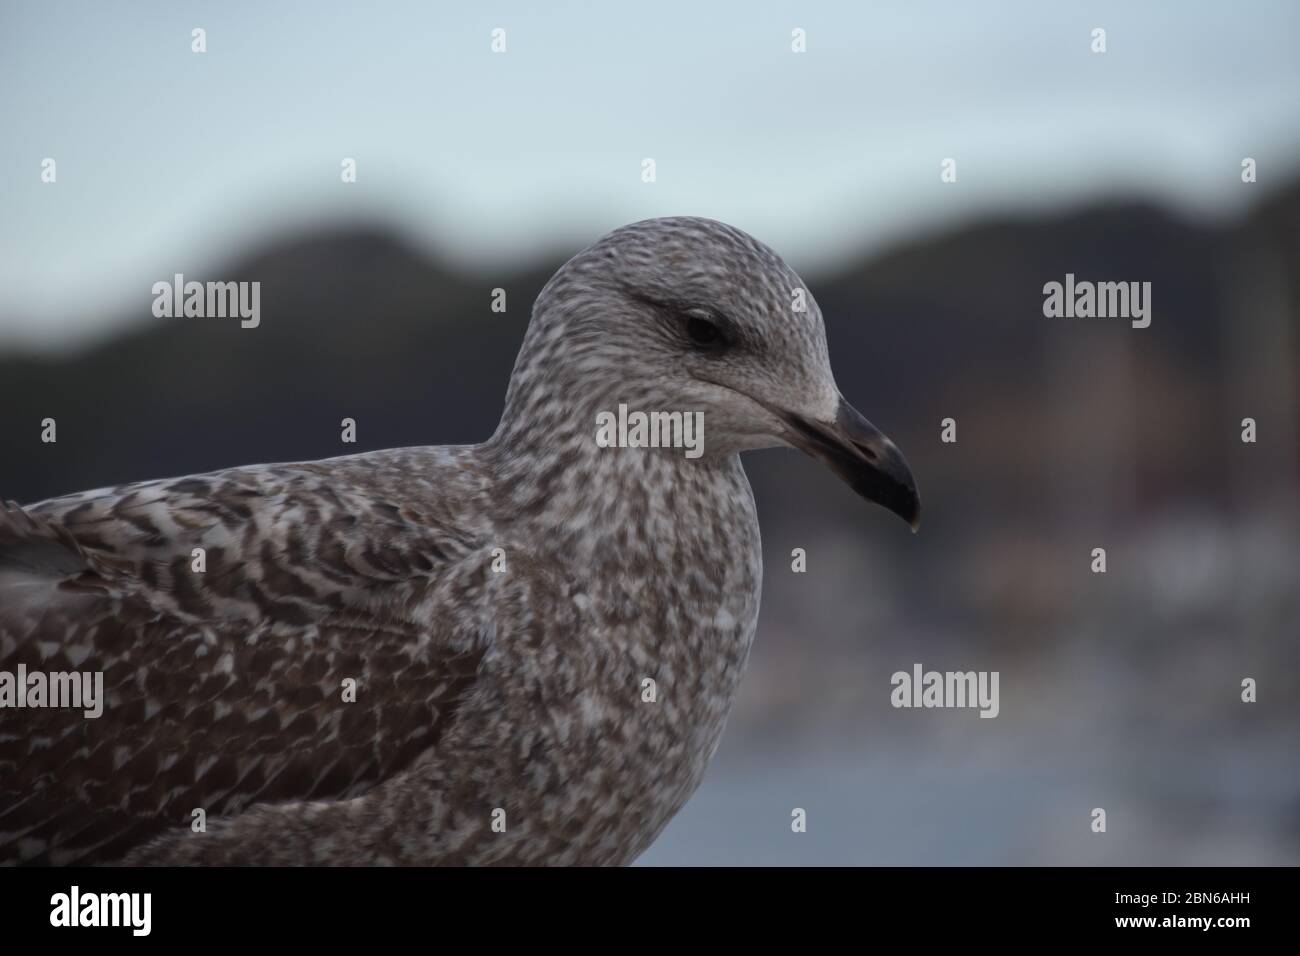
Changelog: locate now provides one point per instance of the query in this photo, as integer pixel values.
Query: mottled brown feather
(211, 702)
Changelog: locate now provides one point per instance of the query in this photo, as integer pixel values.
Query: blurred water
(1007, 802)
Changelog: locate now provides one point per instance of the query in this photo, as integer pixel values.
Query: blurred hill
(359, 324)
(353, 325)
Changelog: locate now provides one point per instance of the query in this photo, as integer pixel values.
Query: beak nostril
(870, 455)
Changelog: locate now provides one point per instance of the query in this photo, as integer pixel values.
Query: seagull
(521, 652)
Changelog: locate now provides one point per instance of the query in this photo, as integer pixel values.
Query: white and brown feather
(224, 688)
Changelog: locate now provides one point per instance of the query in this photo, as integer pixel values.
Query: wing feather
(224, 680)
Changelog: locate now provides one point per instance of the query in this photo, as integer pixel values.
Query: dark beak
(859, 452)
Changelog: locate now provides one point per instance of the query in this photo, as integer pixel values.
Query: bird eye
(703, 333)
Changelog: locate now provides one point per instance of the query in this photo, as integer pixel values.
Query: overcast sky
(171, 161)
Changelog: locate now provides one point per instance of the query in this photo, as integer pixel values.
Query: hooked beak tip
(863, 457)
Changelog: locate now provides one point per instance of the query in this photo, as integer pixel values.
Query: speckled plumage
(477, 689)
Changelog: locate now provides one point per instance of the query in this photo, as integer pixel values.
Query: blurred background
(478, 170)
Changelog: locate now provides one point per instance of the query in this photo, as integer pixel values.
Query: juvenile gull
(499, 607)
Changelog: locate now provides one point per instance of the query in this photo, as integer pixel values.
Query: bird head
(692, 315)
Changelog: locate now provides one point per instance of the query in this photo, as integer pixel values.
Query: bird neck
(560, 475)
